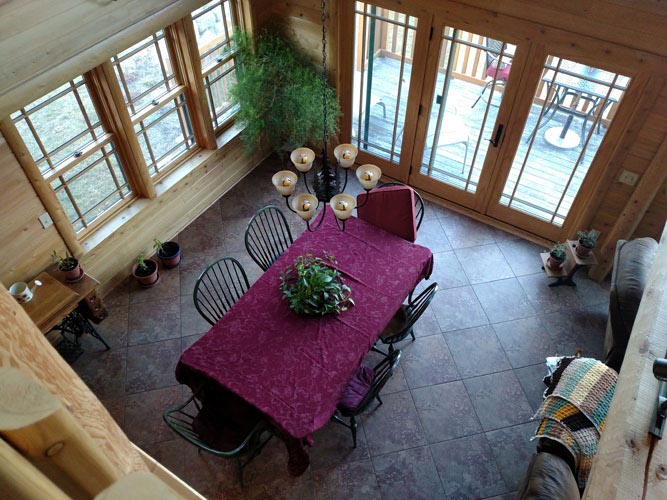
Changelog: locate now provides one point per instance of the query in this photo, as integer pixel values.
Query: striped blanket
(575, 408)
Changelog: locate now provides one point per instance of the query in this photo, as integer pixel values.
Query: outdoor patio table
(294, 368)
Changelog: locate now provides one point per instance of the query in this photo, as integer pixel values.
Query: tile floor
(455, 422)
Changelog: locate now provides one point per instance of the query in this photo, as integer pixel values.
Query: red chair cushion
(392, 209)
(356, 389)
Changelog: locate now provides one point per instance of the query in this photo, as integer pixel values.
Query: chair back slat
(418, 305)
(267, 236)
(219, 287)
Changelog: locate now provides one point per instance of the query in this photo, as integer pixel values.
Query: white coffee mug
(21, 292)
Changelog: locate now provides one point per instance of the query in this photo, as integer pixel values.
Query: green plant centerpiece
(313, 287)
(279, 94)
(587, 241)
(557, 256)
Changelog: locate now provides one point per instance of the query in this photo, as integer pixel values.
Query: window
(76, 156)
(214, 26)
(155, 99)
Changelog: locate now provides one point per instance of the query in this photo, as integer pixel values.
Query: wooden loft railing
(631, 464)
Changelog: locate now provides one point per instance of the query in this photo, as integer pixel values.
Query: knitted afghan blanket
(575, 408)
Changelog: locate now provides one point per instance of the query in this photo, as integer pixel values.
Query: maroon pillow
(392, 209)
(356, 389)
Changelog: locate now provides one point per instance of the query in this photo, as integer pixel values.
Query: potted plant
(586, 243)
(313, 287)
(278, 91)
(168, 252)
(69, 266)
(557, 256)
(145, 271)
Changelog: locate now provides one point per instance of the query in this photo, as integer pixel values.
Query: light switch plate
(628, 177)
(46, 220)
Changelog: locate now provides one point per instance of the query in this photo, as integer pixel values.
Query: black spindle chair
(241, 447)
(267, 236)
(219, 287)
(382, 373)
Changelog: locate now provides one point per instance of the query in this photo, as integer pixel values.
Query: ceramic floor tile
(531, 379)
(204, 235)
(351, 481)
(522, 256)
(465, 232)
(427, 361)
(574, 331)
(499, 400)
(434, 211)
(513, 449)
(458, 308)
(113, 330)
(446, 411)
(191, 268)
(152, 366)
(426, 325)
(447, 271)
(591, 292)
(503, 300)
(282, 488)
(484, 263)
(143, 422)
(393, 426)
(167, 287)
(477, 351)
(432, 235)
(546, 299)
(334, 446)
(525, 341)
(189, 340)
(467, 468)
(119, 296)
(103, 371)
(408, 474)
(154, 321)
(233, 232)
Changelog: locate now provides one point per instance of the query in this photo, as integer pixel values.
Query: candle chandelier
(326, 188)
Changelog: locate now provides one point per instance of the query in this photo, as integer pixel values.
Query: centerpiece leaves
(313, 287)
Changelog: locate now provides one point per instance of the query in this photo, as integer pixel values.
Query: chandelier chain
(325, 134)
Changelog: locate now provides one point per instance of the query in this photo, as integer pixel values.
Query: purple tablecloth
(294, 368)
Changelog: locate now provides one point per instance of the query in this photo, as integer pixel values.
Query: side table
(59, 305)
(565, 275)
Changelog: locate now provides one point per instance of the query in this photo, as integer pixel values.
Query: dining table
(291, 368)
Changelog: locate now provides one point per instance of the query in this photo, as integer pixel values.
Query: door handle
(496, 139)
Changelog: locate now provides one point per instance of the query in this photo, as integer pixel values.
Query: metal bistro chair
(267, 236)
(419, 202)
(219, 287)
(180, 420)
(402, 324)
(496, 70)
(381, 375)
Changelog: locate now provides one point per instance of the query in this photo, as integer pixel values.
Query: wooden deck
(545, 175)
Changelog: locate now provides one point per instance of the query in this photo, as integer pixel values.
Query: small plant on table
(587, 242)
(312, 286)
(557, 256)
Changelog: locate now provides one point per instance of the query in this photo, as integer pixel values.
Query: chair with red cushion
(498, 71)
(363, 388)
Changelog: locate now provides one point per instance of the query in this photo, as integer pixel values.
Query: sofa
(551, 474)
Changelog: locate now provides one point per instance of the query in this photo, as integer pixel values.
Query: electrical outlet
(46, 220)
(628, 177)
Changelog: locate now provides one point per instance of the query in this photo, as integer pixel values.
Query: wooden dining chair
(267, 236)
(403, 322)
(364, 387)
(419, 202)
(219, 287)
(231, 441)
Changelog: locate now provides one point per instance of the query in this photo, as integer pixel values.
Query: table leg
(566, 280)
(77, 324)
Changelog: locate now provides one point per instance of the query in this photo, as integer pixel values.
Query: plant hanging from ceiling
(279, 94)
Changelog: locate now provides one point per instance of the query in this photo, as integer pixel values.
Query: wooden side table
(66, 307)
(565, 275)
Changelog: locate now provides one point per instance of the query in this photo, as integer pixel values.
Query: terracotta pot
(583, 251)
(171, 254)
(74, 274)
(146, 278)
(554, 264)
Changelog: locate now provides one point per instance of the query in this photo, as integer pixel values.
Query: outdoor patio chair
(219, 287)
(419, 202)
(267, 236)
(402, 324)
(497, 71)
(360, 392)
(230, 440)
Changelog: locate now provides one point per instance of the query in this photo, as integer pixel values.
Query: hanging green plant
(313, 287)
(279, 95)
